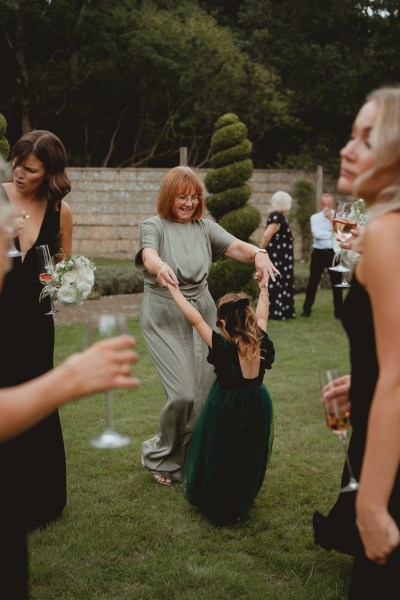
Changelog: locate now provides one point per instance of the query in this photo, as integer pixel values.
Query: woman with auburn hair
(32, 466)
(366, 524)
(178, 247)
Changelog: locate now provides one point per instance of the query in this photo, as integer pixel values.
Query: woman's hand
(104, 365)
(265, 270)
(349, 243)
(379, 532)
(338, 390)
(166, 276)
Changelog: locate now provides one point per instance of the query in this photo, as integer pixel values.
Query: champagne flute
(46, 270)
(343, 222)
(102, 327)
(337, 418)
(11, 231)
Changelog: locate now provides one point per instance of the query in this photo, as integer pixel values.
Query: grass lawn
(122, 536)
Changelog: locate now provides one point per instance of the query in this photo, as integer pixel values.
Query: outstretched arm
(262, 310)
(103, 366)
(192, 315)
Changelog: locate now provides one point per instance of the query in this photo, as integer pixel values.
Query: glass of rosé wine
(46, 270)
(337, 417)
(343, 223)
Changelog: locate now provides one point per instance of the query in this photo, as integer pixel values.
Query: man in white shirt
(322, 256)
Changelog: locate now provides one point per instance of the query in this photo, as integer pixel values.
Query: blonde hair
(241, 323)
(178, 181)
(385, 144)
(281, 201)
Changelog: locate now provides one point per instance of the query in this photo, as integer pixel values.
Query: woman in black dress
(278, 241)
(366, 524)
(102, 366)
(32, 465)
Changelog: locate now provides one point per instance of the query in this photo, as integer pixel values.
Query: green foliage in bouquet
(227, 202)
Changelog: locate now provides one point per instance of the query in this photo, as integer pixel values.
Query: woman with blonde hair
(370, 168)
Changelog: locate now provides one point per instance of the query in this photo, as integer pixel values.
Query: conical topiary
(227, 202)
(4, 145)
(5, 171)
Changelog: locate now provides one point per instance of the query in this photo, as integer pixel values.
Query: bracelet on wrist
(159, 267)
(263, 250)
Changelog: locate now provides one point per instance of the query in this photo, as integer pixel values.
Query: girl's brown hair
(179, 180)
(47, 148)
(241, 323)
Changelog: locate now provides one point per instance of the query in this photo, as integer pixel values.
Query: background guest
(177, 247)
(322, 256)
(278, 240)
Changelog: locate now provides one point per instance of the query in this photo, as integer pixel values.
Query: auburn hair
(179, 180)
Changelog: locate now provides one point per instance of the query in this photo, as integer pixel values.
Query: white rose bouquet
(71, 281)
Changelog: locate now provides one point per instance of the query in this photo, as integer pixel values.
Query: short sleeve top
(224, 356)
(188, 248)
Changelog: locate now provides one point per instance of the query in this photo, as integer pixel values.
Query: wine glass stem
(109, 410)
(346, 455)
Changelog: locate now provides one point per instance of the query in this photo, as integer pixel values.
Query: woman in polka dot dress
(278, 240)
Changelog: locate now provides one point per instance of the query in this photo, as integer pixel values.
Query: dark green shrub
(4, 145)
(230, 176)
(242, 222)
(111, 280)
(236, 153)
(304, 193)
(229, 276)
(227, 202)
(219, 204)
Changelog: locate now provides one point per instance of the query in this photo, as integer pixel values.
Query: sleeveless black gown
(32, 465)
(338, 530)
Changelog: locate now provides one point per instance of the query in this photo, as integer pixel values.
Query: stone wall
(108, 205)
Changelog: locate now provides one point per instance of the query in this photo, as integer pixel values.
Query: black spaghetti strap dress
(338, 530)
(32, 465)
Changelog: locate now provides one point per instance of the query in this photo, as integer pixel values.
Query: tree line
(128, 83)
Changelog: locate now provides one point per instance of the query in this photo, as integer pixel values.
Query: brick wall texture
(108, 205)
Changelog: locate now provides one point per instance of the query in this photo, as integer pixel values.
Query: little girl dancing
(232, 442)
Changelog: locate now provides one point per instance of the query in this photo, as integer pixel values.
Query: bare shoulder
(65, 208)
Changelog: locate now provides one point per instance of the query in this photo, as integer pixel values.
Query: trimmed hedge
(230, 176)
(234, 154)
(242, 222)
(111, 280)
(219, 204)
(229, 274)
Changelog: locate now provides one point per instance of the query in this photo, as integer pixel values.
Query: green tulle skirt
(229, 453)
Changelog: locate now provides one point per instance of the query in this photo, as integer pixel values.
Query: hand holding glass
(11, 229)
(342, 226)
(103, 327)
(46, 270)
(337, 416)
